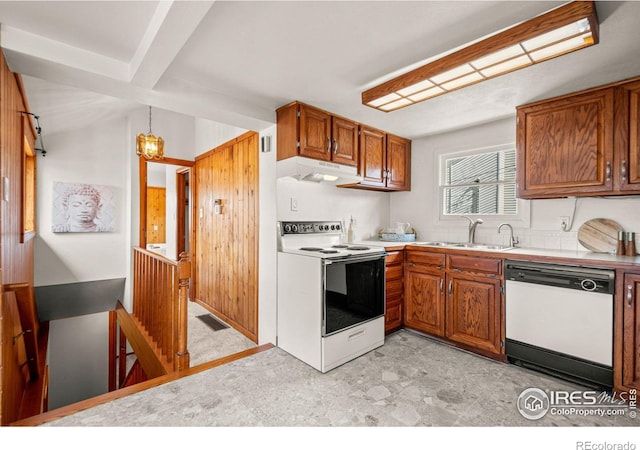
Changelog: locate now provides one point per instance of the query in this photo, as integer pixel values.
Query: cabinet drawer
(435, 259)
(394, 258)
(474, 264)
(393, 272)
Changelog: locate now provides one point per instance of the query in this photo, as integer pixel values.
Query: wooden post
(113, 351)
(184, 273)
(122, 357)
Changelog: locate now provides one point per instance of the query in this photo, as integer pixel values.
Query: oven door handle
(350, 259)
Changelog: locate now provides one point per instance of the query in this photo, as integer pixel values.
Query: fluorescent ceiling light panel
(570, 27)
(507, 66)
(462, 81)
(560, 48)
(452, 74)
(396, 105)
(386, 99)
(427, 94)
(415, 88)
(497, 57)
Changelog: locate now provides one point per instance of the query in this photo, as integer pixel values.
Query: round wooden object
(599, 235)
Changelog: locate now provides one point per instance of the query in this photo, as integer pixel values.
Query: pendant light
(150, 146)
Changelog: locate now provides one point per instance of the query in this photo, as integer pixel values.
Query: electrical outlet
(563, 222)
(294, 204)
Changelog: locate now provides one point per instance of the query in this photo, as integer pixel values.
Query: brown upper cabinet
(307, 131)
(382, 159)
(385, 160)
(581, 144)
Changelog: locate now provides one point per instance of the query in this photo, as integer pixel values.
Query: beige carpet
(205, 344)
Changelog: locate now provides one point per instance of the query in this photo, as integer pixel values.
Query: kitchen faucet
(472, 228)
(512, 240)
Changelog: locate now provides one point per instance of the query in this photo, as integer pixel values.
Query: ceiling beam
(38, 47)
(174, 96)
(171, 26)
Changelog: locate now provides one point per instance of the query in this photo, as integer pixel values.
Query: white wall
(267, 252)
(419, 207)
(326, 201)
(209, 135)
(101, 154)
(95, 155)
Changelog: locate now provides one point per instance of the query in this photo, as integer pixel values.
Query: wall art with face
(82, 208)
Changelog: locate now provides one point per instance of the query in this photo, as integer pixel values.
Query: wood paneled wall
(156, 215)
(226, 249)
(16, 257)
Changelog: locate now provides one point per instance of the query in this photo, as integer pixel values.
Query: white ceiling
(235, 62)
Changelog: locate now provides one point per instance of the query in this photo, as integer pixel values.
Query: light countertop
(518, 252)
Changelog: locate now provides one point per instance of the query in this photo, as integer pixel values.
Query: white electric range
(331, 296)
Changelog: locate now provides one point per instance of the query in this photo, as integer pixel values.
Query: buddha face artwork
(82, 208)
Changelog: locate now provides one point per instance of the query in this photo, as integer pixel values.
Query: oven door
(354, 292)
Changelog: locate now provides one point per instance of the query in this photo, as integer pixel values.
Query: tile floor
(411, 381)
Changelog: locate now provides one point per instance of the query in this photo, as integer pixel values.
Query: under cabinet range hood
(307, 169)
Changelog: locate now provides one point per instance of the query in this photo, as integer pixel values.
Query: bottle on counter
(621, 248)
(351, 232)
(630, 249)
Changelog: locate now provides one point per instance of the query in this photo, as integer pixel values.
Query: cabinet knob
(630, 296)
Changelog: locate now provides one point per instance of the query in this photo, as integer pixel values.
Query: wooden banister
(160, 296)
(28, 312)
(154, 365)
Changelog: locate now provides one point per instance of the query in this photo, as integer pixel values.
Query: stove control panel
(309, 227)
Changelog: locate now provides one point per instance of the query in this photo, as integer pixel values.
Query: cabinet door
(565, 146)
(473, 311)
(394, 290)
(345, 141)
(627, 166)
(373, 156)
(315, 133)
(631, 332)
(398, 163)
(424, 299)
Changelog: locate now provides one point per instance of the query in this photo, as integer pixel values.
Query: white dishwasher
(559, 320)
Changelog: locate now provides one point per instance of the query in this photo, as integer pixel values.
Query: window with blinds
(480, 183)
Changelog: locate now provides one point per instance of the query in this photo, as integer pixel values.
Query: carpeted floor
(205, 343)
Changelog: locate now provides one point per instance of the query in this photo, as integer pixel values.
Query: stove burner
(329, 251)
(311, 249)
(339, 246)
(357, 247)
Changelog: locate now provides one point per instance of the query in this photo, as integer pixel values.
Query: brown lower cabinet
(457, 298)
(394, 290)
(628, 378)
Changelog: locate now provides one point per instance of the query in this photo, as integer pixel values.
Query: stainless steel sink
(499, 248)
(439, 244)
